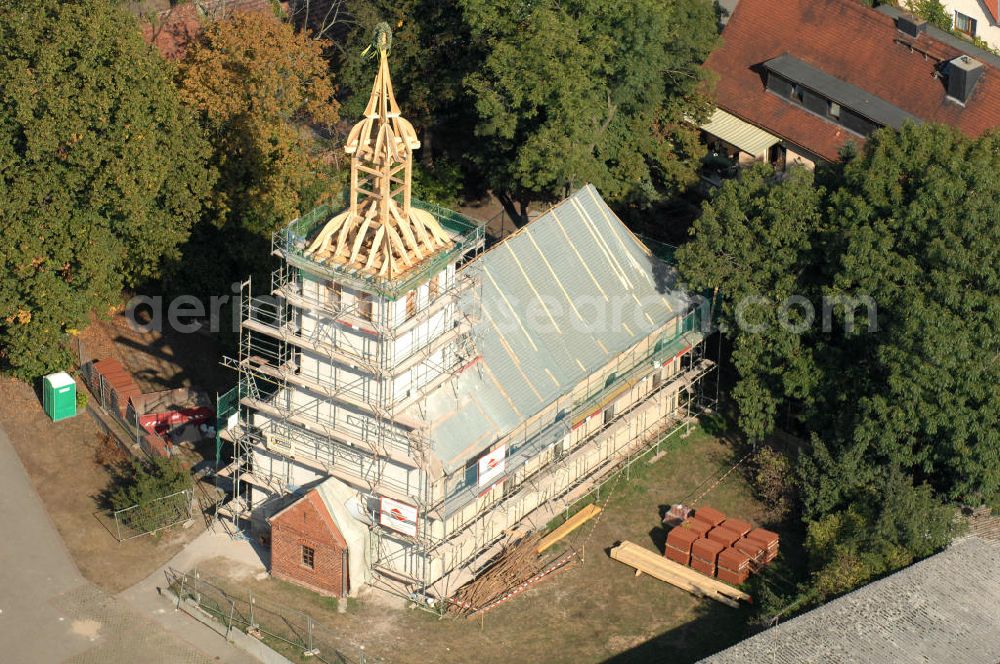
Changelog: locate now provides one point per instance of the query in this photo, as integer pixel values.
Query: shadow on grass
(715, 628)
(715, 425)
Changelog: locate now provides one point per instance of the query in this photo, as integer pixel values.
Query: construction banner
(492, 466)
(398, 516)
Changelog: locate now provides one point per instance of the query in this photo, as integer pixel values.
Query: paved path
(145, 597)
(50, 613)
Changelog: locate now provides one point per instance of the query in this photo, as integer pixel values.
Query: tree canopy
(102, 170)
(264, 95)
(911, 223)
(882, 529)
(897, 418)
(586, 91)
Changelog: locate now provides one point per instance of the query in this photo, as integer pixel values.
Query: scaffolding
(371, 310)
(355, 454)
(273, 382)
(688, 344)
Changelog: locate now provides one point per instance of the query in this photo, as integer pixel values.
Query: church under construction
(409, 402)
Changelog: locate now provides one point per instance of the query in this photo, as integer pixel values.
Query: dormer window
(829, 97)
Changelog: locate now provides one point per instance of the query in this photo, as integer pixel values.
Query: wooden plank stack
(517, 563)
(649, 562)
(571, 524)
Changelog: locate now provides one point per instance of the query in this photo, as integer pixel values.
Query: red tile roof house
(798, 79)
(172, 30)
(976, 18)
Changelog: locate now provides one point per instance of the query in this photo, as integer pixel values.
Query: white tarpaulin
(398, 515)
(340, 501)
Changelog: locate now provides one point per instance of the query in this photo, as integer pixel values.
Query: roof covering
(960, 43)
(560, 299)
(60, 379)
(839, 91)
(748, 138)
(852, 43)
(942, 609)
(344, 507)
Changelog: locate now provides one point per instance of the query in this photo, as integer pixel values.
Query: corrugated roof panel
(535, 346)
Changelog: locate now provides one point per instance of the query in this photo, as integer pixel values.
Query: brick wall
(307, 523)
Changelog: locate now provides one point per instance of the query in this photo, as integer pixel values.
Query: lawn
(597, 611)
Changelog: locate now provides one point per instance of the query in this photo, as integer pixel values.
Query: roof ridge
(522, 229)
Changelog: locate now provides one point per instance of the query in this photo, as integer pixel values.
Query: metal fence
(154, 515)
(106, 401)
(288, 631)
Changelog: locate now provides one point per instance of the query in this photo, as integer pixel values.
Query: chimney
(911, 25)
(963, 74)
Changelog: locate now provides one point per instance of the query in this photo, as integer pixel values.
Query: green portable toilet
(59, 396)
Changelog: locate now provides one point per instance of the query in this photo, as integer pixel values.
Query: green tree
(143, 481)
(899, 419)
(102, 170)
(879, 532)
(578, 91)
(755, 243)
(911, 222)
(264, 95)
(931, 11)
(920, 212)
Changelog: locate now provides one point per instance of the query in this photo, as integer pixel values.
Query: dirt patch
(60, 460)
(86, 628)
(159, 360)
(596, 612)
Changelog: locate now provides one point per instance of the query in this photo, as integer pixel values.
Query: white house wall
(987, 29)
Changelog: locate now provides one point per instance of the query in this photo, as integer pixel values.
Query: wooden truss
(380, 233)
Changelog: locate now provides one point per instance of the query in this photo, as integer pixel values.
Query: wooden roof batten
(380, 233)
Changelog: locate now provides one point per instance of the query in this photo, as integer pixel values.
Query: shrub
(773, 481)
(141, 481)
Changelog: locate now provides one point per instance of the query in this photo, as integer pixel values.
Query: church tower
(363, 321)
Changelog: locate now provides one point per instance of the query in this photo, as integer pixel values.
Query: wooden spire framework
(380, 233)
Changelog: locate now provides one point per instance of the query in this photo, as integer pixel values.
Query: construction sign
(492, 466)
(398, 516)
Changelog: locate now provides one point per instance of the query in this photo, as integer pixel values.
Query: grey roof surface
(847, 95)
(955, 42)
(549, 293)
(945, 608)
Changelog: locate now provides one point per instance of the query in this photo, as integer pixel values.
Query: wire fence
(119, 409)
(291, 632)
(154, 515)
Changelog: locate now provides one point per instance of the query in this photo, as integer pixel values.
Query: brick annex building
(407, 404)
